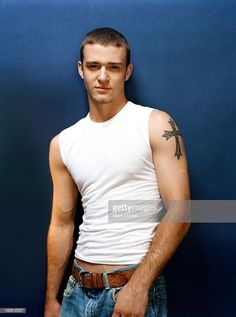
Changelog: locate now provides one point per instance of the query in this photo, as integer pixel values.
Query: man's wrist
(51, 296)
(139, 284)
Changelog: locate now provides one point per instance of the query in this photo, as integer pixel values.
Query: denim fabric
(81, 302)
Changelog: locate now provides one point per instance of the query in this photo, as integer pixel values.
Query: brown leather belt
(99, 280)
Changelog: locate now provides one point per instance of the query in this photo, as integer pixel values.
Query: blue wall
(184, 63)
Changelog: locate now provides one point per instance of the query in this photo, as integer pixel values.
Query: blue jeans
(82, 302)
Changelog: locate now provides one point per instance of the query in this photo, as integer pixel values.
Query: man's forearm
(59, 245)
(166, 240)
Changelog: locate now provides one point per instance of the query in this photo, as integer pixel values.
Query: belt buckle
(81, 274)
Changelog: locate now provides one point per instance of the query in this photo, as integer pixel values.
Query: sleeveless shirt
(111, 163)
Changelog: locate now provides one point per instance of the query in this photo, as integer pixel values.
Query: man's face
(104, 72)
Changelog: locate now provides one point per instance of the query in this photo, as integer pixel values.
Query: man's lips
(99, 87)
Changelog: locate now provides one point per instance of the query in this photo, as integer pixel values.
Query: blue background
(184, 63)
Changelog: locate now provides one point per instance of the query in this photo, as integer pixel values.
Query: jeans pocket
(115, 292)
(70, 286)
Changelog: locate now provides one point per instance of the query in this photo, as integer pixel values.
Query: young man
(120, 153)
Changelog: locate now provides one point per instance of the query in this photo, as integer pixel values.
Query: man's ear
(129, 70)
(80, 69)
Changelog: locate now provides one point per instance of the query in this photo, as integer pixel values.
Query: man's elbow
(185, 228)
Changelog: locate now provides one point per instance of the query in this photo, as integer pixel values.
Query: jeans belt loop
(77, 267)
(105, 278)
(80, 279)
(81, 274)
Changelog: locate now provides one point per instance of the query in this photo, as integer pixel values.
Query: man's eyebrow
(91, 62)
(109, 63)
(115, 63)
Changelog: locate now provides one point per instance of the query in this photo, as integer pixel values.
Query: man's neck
(100, 112)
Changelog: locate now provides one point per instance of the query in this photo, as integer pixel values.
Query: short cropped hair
(105, 36)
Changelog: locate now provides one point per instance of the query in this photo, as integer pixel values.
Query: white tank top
(112, 161)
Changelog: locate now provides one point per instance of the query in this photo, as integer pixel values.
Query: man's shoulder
(63, 141)
(73, 127)
(162, 127)
(142, 107)
(148, 111)
(157, 117)
(68, 135)
(161, 119)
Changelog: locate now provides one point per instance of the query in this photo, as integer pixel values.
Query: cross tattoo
(176, 134)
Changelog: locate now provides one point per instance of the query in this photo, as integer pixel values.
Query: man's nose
(103, 75)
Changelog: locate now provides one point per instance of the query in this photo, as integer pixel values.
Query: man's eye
(114, 67)
(93, 67)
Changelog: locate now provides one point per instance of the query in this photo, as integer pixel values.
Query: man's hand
(131, 301)
(52, 308)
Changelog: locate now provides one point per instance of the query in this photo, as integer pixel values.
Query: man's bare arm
(172, 175)
(60, 233)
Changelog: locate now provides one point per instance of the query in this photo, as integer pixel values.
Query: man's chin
(102, 100)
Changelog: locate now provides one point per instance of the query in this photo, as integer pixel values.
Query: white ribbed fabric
(112, 160)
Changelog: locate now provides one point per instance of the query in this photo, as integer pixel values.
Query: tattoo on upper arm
(176, 134)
